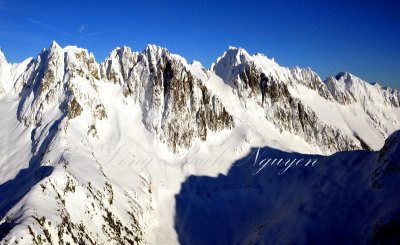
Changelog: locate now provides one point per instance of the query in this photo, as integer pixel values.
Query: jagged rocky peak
(236, 63)
(392, 96)
(311, 80)
(236, 55)
(238, 69)
(197, 64)
(350, 79)
(347, 88)
(116, 66)
(82, 63)
(352, 83)
(344, 76)
(338, 91)
(177, 106)
(54, 46)
(301, 73)
(231, 63)
(53, 69)
(2, 57)
(155, 52)
(261, 82)
(57, 81)
(4, 71)
(258, 77)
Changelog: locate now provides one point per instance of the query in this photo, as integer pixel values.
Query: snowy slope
(95, 152)
(360, 115)
(336, 201)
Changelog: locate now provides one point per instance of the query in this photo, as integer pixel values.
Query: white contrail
(80, 30)
(48, 26)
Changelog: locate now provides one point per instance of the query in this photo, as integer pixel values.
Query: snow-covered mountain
(95, 152)
(176, 105)
(296, 100)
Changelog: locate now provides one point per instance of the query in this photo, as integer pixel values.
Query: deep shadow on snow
(334, 202)
(12, 191)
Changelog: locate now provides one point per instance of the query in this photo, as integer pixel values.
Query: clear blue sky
(362, 37)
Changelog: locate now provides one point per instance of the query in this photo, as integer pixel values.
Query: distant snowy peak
(347, 88)
(236, 61)
(344, 87)
(293, 98)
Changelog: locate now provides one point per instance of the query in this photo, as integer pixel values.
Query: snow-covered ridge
(347, 88)
(162, 84)
(110, 143)
(298, 101)
(177, 106)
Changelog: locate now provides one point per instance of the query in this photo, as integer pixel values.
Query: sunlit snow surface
(111, 181)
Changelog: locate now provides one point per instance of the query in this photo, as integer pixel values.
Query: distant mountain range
(94, 153)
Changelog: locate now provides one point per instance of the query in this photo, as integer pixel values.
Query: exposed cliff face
(339, 92)
(264, 83)
(311, 80)
(59, 82)
(176, 102)
(347, 89)
(176, 105)
(88, 143)
(350, 90)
